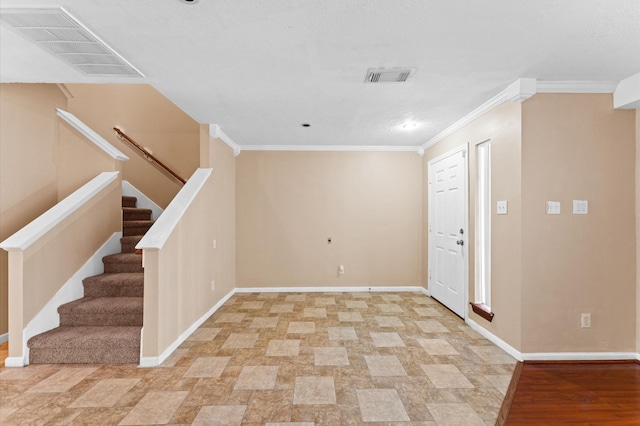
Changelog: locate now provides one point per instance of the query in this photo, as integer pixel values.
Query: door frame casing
(430, 250)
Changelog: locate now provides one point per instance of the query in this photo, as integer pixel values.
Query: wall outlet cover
(501, 207)
(553, 207)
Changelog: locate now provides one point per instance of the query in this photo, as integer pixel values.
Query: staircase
(104, 326)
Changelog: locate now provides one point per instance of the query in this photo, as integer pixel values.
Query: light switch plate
(580, 207)
(501, 207)
(553, 207)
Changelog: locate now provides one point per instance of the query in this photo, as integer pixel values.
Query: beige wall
(502, 127)
(152, 121)
(289, 203)
(28, 162)
(39, 274)
(178, 277)
(578, 147)
(637, 231)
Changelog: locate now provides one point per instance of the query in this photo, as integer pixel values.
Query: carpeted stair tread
(136, 227)
(128, 201)
(128, 243)
(86, 345)
(134, 213)
(122, 262)
(122, 284)
(94, 311)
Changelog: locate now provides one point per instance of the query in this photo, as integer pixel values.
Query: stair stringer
(48, 317)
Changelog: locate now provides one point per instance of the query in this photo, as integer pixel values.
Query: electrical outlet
(341, 269)
(585, 320)
(213, 285)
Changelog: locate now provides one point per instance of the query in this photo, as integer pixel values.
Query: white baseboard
(48, 317)
(327, 289)
(494, 339)
(579, 356)
(14, 361)
(4, 338)
(154, 361)
(144, 202)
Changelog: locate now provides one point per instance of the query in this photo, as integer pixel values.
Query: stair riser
(128, 247)
(129, 201)
(114, 291)
(134, 230)
(128, 215)
(97, 355)
(123, 267)
(99, 319)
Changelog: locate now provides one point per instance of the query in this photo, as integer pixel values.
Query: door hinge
(464, 153)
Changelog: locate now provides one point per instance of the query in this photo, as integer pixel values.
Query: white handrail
(158, 234)
(26, 236)
(87, 132)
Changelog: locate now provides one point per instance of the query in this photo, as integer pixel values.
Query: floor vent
(388, 75)
(56, 31)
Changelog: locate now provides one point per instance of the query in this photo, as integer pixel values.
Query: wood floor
(574, 393)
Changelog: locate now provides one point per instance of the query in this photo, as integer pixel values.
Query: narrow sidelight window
(483, 225)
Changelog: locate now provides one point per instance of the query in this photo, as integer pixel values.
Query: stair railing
(149, 156)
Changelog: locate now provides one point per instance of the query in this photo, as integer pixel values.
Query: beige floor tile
(432, 326)
(24, 373)
(315, 313)
(268, 295)
(437, 347)
(295, 298)
(156, 407)
(252, 305)
(389, 321)
(231, 317)
(391, 298)
(204, 334)
(301, 327)
(386, 340)
(446, 376)
(384, 365)
(269, 406)
(264, 322)
(174, 358)
(350, 317)
(63, 380)
(456, 414)
(424, 300)
(290, 424)
(257, 377)
(105, 393)
(381, 405)
(281, 309)
(324, 301)
(500, 382)
(283, 348)
(356, 304)
(390, 308)
(427, 312)
(331, 356)
(5, 412)
(207, 367)
(240, 340)
(342, 333)
(314, 391)
(493, 355)
(220, 415)
(360, 295)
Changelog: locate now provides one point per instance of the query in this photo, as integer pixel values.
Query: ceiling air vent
(388, 75)
(56, 31)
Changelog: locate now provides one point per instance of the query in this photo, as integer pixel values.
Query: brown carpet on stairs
(104, 326)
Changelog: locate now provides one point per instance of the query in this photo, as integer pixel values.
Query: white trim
(65, 90)
(48, 317)
(88, 133)
(26, 236)
(4, 338)
(216, 132)
(578, 356)
(494, 339)
(627, 94)
(576, 86)
(154, 361)
(332, 148)
(144, 202)
(14, 361)
(158, 234)
(329, 289)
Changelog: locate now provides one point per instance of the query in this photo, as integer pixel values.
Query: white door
(448, 242)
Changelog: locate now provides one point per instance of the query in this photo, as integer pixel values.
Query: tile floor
(286, 359)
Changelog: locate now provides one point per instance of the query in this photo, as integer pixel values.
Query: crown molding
(331, 148)
(627, 94)
(576, 86)
(216, 132)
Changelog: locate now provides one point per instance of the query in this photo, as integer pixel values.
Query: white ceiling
(259, 69)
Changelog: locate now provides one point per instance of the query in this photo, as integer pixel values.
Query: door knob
(460, 242)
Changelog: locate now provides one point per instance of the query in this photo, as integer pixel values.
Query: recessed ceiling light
(306, 125)
(189, 1)
(409, 126)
